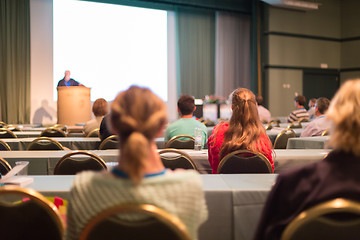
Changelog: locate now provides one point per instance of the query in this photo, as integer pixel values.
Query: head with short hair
(245, 127)
(322, 105)
(343, 112)
(100, 107)
(301, 100)
(67, 75)
(186, 104)
(312, 102)
(137, 116)
(259, 100)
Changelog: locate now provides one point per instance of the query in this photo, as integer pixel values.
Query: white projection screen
(110, 47)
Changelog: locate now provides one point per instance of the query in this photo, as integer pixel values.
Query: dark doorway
(320, 83)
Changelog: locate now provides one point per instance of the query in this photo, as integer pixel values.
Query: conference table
(234, 201)
(318, 142)
(44, 162)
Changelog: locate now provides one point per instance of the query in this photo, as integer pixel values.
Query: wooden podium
(73, 105)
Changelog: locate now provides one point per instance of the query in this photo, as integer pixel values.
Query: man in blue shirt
(186, 124)
(67, 81)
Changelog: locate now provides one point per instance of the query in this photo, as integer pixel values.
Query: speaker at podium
(73, 105)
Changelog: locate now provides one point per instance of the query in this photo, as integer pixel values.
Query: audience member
(138, 116)
(105, 128)
(264, 114)
(67, 81)
(311, 110)
(186, 124)
(320, 123)
(300, 111)
(336, 176)
(100, 109)
(244, 131)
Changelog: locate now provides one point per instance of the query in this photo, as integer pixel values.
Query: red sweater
(216, 140)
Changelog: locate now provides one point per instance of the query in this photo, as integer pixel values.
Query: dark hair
(100, 107)
(301, 100)
(322, 104)
(259, 100)
(186, 104)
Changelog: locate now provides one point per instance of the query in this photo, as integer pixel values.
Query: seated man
(311, 110)
(300, 111)
(186, 124)
(264, 114)
(320, 123)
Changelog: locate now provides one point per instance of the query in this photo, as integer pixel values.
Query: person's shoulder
(177, 176)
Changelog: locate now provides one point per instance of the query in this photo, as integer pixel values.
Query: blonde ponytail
(133, 153)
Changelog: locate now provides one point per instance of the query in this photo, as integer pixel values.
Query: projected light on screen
(110, 47)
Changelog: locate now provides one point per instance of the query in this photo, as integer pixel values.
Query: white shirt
(264, 114)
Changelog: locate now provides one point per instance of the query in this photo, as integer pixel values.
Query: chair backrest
(303, 120)
(110, 142)
(61, 126)
(4, 166)
(281, 139)
(26, 214)
(154, 224)
(2, 124)
(53, 132)
(94, 133)
(244, 161)
(4, 146)
(173, 159)
(295, 124)
(325, 133)
(6, 133)
(12, 128)
(335, 219)
(181, 142)
(44, 143)
(77, 161)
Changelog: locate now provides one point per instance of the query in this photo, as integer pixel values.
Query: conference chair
(94, 133)
(174, 158)
(326, 133)
(295, 124)
(26, 214)
(6, 133)
(12, 128)
(303, 120)
(281, 139)
(77, 161)
(4, 167)
(2, 124)
(181, 142)
(53, 132)
(61, 126)
(44, 143)
(209, 123)
(4, 146)
(110, 142)
(153, 223)
(271, 124)
(244, 161)
(335, 219)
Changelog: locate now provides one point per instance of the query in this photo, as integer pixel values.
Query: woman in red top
(244, 131)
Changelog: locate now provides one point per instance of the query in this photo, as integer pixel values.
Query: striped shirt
(297, 115)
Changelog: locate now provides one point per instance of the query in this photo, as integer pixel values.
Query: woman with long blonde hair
(244, 131)
(336, 176)
(137, 116)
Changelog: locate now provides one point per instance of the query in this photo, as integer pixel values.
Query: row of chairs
(29, 215)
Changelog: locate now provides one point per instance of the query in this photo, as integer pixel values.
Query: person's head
(137, 117)
(67, 75)
(245, 127)
(186, 105)
(312, 102)
(321, 106)
(343, 112)
(100, 107)
(259, 100)
(300, 101)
